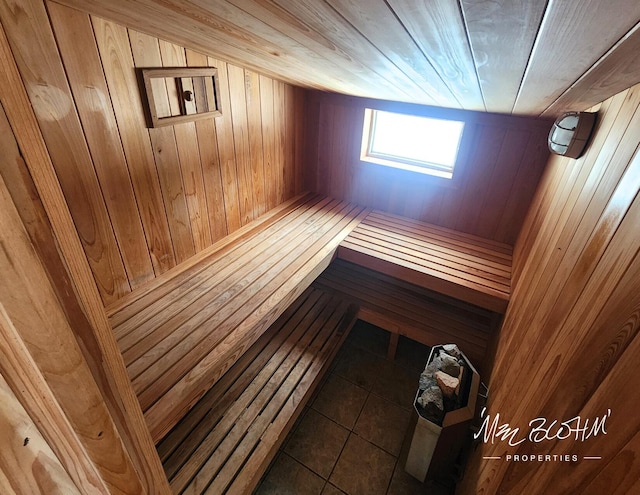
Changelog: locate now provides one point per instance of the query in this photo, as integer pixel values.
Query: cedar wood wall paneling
(34, 188)
(27, 464)
(569, 343)
(144, 200)
(499, 169)
(41, 358)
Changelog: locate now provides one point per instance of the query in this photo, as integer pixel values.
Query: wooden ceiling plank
(317, 55)
(203, 32)
(378, 24)
(438, 29)
(390, 49)
(616, 71)
(223, 30)
(334, 71)
(323, 19)
(492, 26)
(572, 38)
(355, 69)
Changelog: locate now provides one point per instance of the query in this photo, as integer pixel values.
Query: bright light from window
(420, 144)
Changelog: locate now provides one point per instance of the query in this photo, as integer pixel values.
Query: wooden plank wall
(28, 173)
(569, 345)
(144, 200)
(26, 459)
(17, 364)
(44, 364)
(499, 168)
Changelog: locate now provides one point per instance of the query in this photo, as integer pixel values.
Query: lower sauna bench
(227, 440)
(406, 309)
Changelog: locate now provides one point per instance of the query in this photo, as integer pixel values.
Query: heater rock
(447, 383)
(449, 365)
(434, 365)
(427, 379)
(452, 350)
(432, 402)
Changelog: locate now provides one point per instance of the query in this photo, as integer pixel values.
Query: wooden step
(225, 443)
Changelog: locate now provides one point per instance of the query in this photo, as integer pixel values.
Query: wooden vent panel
(195, 91)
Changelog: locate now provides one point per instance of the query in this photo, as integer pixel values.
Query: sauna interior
(161, 279)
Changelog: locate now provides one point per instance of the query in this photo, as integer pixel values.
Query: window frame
(416, 166)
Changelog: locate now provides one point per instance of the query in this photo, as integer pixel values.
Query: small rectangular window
(411, 142)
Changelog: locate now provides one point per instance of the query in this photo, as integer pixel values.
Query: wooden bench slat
(178, 445)
(217, 446)
(419, 244)
(461, 248)
(459, 265)
(440, 270)
(212, 324)
(180, 288)
(413, 227)
(429, 256)
(127, 306)
(453, 286)
(235, 432)
(410, 310)
(421, 292)
(438, 254)
(223, 279)
(203, 440)
(277, 431)
(172, 403)
(345, 276)
(246, 433)
(189, 329)
(181, 332)
(442, 309)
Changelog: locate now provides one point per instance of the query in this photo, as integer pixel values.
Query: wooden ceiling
(527, 57)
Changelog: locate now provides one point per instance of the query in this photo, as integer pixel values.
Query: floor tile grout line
(346, 379)
(409, 408)
(395, 466)
(354, 384)
(401, 406)
(337, 460)
(350, 430)
(353, 432)
(361, 409)
(369, 393)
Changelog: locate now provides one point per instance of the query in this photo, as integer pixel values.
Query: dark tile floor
(348, 439)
